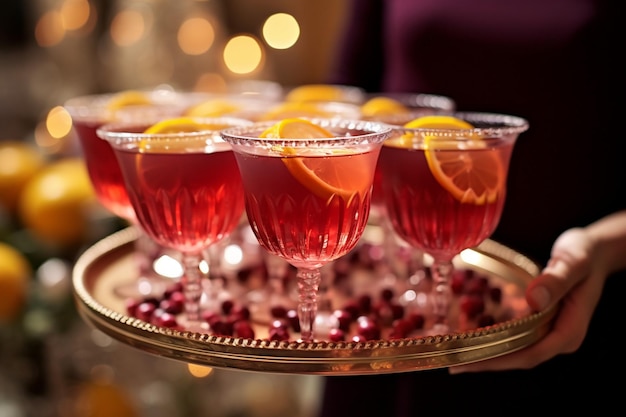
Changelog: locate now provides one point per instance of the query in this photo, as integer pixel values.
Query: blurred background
(51, 362)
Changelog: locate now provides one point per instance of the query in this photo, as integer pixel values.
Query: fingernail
(541, 296)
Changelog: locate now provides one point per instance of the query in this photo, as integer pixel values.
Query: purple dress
(558, 64)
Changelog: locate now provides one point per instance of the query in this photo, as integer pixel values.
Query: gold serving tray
(99, 268)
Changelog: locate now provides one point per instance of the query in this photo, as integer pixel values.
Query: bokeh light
(281, 31)
(199, 371)
(58, 122)
(243, 54)
(196, 36)
(75, 14)
(49, 30)
(127, 27)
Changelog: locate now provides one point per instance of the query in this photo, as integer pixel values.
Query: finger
(568, 266)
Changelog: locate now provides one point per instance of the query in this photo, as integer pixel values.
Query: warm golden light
(75, 13)
(281, 31)
(127, 27)
(49, 30)
(195, 36)
(45, 141)
(199, 371)
(243, 54)
(58, 122)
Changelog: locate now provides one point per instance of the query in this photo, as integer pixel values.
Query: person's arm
(581, 260)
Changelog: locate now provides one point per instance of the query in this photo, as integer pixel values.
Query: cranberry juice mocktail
(308, 192)
(185, 200)
(426, 214)
(283, 202)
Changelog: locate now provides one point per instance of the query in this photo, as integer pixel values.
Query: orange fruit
(57, 204)
(292, 109)
(382, 106)
(325, 177)
(178, 125)
(183, 125)
(315, 92)
(473, 174)
(15, 274)
(19, 162)
(296, 128)
(212, 108)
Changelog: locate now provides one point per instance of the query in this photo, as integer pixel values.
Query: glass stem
(192, 285)
(146, 252)
(441, 292)
(213, 256)
(308, 287)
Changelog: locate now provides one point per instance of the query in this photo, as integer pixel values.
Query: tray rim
(318, 357)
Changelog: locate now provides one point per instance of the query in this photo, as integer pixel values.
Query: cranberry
(417, 320)
(495, 294)
(243, 329)
(294, 320)
(240, 312)
(478, 286)
(368, 328)
(357, 338)
(278, 333)
(165, 319)
(472, 305)
(387, 294)
(279, 324)
(227, 306)
(457, 284)
(210, 317)
(485, 320)
(172, 288)
(353, 309)
(336, 335)
(144, 311)
(172, 306)
(278, 312)
(401, 328)
(364, 303)
(344, 318)
(222, 327)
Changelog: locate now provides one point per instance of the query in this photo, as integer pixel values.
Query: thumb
(569, 264)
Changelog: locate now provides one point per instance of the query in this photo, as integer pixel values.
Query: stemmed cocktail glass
(404, 272)
(185, 188)
(308, 189)
(444, 186)
(88, 113)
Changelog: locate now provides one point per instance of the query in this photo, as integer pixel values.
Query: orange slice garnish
(128, 98)
(474, 174)
(177, 125)
(382, 106)
(181, 125)
(212, 108)
(315, 92)
(341, 174)
(294, 109)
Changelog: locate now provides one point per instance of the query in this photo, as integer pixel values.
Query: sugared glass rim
(114, 131)
(417, 101)
(373, 133)
(485, 125)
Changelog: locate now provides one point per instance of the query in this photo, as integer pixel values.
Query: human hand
(573, 279)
